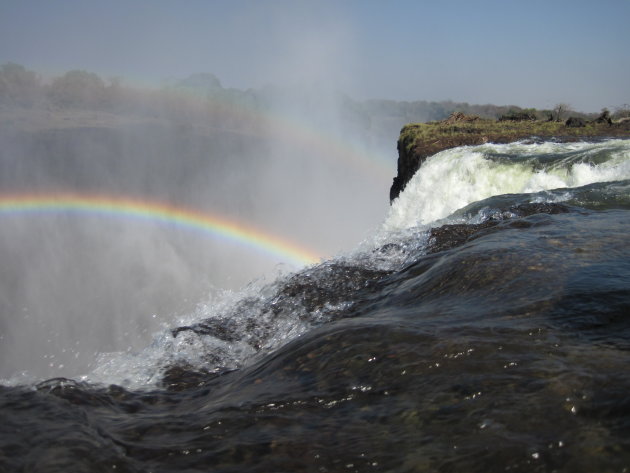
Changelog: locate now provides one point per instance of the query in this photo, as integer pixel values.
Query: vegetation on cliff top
(460, 129)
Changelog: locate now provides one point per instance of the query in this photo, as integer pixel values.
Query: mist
(286, 160)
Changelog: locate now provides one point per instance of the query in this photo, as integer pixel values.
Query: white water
(457, 177)
(257, 330)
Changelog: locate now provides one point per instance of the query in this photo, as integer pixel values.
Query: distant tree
(19, 86)
(528, 114)
(622, 112)
(560, 111)
(604, 117)
(79, 89)
(532, 112)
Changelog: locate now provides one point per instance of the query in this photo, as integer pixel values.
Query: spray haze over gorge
(284, 163)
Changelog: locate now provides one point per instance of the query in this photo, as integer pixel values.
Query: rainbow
(162, 213)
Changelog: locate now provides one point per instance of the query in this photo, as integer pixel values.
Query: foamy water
(457, 177)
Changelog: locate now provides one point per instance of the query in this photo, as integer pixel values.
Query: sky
(529, 53)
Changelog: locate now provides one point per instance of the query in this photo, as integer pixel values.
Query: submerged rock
(447, 237)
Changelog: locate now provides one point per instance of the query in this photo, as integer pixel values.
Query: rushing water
(485, 327)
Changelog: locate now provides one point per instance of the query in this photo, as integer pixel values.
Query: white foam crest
(451, 180)
(525, 148)
(454, 178)
(254, 319)
(144, 368)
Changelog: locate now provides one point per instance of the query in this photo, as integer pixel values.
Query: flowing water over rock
(486, 327)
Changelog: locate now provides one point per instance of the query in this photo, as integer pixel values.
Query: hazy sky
(528, 53)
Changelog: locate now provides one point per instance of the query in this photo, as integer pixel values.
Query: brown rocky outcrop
(604, 118)
(575, 122)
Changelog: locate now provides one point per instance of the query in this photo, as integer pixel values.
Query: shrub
(79, 89)
(19, 86)
(519, 115)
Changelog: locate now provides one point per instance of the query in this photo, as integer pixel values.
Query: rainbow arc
(215, 225)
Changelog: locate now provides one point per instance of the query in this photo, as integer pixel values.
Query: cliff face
(418, 141)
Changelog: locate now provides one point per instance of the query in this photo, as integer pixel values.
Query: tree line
(202, 97)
